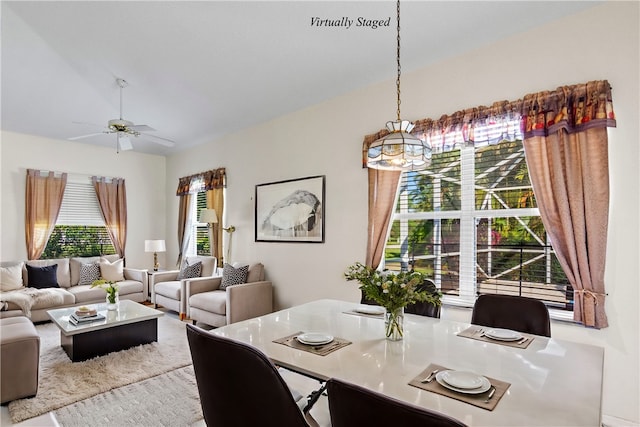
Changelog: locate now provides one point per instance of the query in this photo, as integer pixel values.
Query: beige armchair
(209, 304)
(168, 291)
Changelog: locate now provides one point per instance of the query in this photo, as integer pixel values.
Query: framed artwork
(291, 210)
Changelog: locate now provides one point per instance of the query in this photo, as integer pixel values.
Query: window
(470, 222)
(199, 242)
(80, 229)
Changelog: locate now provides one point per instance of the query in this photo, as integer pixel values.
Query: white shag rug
(169, 399)
(62, 382)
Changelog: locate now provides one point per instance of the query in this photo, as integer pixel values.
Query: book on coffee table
(77, 320)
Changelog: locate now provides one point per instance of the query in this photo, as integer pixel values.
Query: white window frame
(469, 217)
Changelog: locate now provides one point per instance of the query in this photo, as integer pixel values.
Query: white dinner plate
(370, 309)
(314, 338)
(484, 386)
(503, 334)
(462, 379)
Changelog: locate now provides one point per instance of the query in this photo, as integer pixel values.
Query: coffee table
(131, 325)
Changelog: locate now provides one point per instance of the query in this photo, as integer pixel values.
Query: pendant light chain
(398, 56)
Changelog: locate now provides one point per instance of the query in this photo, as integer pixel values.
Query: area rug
(62, 382)
(169, 399)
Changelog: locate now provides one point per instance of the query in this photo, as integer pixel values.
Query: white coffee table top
(128, 312)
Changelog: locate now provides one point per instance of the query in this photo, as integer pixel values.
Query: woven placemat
(478, 400)
(320, 350)
(477, 333)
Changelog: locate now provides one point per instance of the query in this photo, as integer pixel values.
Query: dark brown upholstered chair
(238, 384)
(424, 308)
(512, 312)
(351, 405)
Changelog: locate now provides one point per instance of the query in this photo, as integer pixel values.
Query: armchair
(209, 304)
(169, 291)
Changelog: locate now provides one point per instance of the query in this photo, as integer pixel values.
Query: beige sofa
(19, 358)
(216, 307)
(134, 287)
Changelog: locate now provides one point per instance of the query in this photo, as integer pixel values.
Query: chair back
(238, 385)
(424, 308)
(209, 264)
(512, 312)
(351, 405)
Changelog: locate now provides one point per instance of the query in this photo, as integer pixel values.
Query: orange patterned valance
(203, 181)
(572, 108)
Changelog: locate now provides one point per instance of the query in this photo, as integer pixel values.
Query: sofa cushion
(89, 273)
(168, 289)
(112, 271)
(209, 263)
(43, 277)
(11, 277)
(76, 263)
(214, 302)
(63, 273)
(190, 271)
(67, 299)
(256, 273)
(233, 276)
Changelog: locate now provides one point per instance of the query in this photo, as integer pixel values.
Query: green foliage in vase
(109, 286)
(392, 290)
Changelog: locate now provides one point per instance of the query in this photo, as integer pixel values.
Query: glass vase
(112, 303)
(393, 324)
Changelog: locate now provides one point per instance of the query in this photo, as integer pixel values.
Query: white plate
(503, 334)
(462, 379)
(370, 309)
(486, 385)
(314, 338)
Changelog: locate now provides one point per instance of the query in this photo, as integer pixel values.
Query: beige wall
(601, 43)
(144, 177)
(325, 139)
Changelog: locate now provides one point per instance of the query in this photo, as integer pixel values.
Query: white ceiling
(200, 70)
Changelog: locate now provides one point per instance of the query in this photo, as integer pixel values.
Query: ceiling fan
(124, 129)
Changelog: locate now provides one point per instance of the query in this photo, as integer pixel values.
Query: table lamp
(210, 217)
(155, 246)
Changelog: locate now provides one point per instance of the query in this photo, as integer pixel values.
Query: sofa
(133, 286)
(19, 358)
(209, 304)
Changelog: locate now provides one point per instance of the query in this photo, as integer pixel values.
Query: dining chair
(351, 405)
(424, 308)
(239, 386)
(512, 312)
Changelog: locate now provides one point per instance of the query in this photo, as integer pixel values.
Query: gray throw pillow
(89, 273)
(190, 271)
(233, 276)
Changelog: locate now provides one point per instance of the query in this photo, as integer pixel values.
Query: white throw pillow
(11, 277)
(112, 271)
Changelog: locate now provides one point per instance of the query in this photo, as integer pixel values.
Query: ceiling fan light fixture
(400, 149)
(124, 142)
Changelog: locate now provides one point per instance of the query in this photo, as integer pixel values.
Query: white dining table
(553, 382)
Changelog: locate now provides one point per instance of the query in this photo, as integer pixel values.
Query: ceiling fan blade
(141, 128)
(73, 138)
(158, 140)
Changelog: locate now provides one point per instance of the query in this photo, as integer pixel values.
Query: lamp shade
(154, 246)
(208, 216)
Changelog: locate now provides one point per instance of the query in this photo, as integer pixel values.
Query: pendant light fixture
(399, 150)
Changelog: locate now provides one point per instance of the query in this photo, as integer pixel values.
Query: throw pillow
(89, 273)
(11, 277)
(43, 277)
(112, 271)
(190, 271)
(233, 276)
